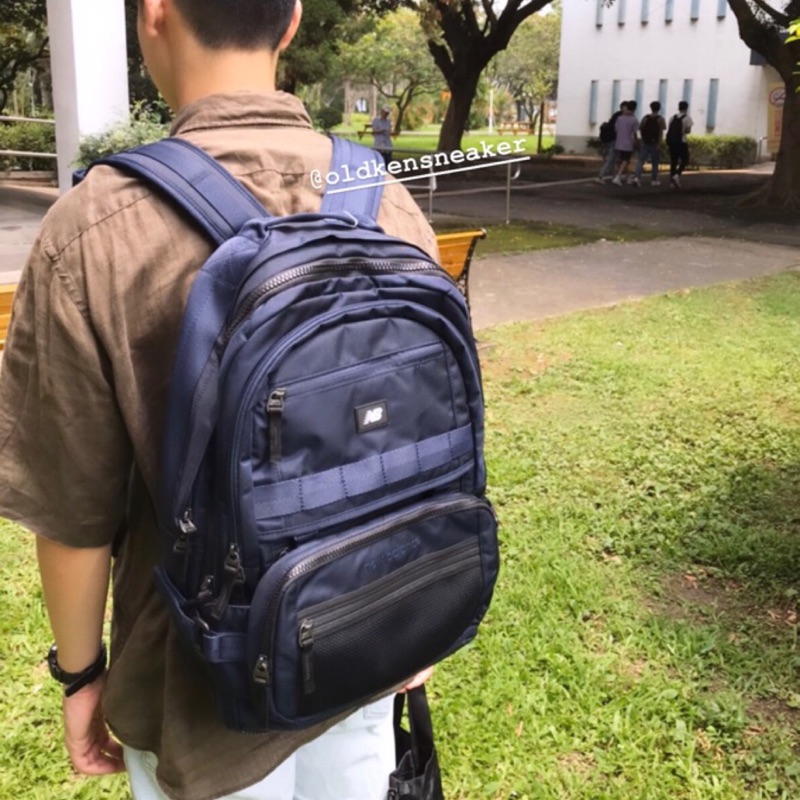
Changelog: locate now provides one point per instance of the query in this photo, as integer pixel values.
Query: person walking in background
(627, 127)
(382, 131)
(608, 136)
(680, 126)
(651, 129)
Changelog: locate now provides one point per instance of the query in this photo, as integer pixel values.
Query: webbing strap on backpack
(357, 190)
(219, 204)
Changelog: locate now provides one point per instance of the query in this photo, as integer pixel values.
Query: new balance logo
(374, 415)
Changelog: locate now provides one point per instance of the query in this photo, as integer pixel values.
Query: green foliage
(328, 117)
(394, 58)
(31, 137)
(714, 150)
(23, 40)
(528, 67)
(722, 152)
(143, 127)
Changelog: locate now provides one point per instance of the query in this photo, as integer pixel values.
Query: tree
(394, 60)
(763, 28)
(463, 37)
(23, 40)
(528, 68)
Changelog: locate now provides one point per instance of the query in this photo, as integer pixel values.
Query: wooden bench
(366, 129)
(6, 300)
(514, 127)
(455, 255)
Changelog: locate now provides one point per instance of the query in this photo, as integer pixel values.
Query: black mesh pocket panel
(373, 638)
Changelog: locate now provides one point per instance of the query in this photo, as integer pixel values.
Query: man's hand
(418, 679)
(89, 744)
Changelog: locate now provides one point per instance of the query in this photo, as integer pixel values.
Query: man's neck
(204, 73)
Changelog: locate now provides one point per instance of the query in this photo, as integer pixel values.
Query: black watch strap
(75, 681)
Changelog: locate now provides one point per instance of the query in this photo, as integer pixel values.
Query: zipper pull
(275, 406)
(232, 576)
(305, 639)
(187, 528)
(261, 671)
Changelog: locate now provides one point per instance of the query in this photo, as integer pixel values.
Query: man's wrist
(75, 681)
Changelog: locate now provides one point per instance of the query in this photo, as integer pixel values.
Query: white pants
(351, 761)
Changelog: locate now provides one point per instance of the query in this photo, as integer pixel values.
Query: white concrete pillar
(90, 73)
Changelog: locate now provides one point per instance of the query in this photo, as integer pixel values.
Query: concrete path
(21, 212)
(548, 283)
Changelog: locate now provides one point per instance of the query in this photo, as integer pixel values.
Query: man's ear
(293, 26)
(151, 17)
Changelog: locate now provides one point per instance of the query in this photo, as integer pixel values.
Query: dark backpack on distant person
(650, 129)
(608, 129)
(675, 130)
(323, 512)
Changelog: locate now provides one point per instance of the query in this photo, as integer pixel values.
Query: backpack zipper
(320, 269)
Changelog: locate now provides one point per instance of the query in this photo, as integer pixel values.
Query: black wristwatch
(75, 681)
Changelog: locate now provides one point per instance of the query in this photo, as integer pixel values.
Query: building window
(621, 9)
(722, 8)
(669, 10)
(662, 95)
(713, 98)
(598, 14)
(687, 91)
(593, 104)
(695, 12)
(646, 11)
(614, 96)
(638, 95)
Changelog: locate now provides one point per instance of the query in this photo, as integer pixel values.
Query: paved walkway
(699, 248)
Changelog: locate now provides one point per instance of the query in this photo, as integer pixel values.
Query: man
(651, 129)
(626, 129)
(382, 134)
(680, 126)
(82, 399)
(611, 153)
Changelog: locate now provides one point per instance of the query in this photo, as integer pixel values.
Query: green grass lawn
(645, 465)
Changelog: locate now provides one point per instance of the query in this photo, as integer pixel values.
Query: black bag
(675, 130)
(650, 129)
(417, 776)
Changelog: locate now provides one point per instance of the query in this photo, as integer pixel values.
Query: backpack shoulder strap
(194, 181)
(360, 185)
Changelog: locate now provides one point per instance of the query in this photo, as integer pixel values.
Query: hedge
(31, 137)
(715, 151)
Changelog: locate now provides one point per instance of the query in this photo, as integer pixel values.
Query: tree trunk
(462, 93)
(784, 189)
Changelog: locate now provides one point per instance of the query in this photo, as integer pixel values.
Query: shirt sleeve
(65, 455)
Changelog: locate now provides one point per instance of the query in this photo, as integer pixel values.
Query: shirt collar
(240, 109)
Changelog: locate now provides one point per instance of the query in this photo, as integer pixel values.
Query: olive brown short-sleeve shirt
(82, 396)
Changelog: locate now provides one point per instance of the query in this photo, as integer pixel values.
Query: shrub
(327, 117)
(143, 127)
(722, 152)
(30, 137)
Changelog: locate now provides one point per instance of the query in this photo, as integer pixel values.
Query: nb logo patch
(374, 415)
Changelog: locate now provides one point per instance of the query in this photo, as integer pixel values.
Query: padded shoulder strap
(359, 187)
(199, 185)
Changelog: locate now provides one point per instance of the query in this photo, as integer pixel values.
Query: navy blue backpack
(323, 509)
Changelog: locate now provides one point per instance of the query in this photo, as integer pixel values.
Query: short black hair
(237, 24)
(683, 105)
(632, 105)
(655, 106)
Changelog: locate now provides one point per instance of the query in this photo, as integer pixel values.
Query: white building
(666, 50)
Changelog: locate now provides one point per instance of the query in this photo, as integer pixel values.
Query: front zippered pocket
(327, 631)
(341, 619)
